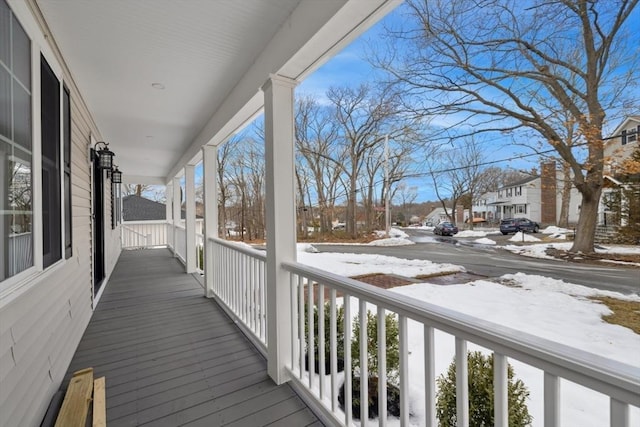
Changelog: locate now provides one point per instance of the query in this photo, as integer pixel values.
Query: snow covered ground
(548, 308)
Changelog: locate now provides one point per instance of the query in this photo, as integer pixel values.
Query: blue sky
(350, 67)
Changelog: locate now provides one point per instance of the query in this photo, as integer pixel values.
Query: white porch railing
(240, 284)
(239, 280)
(180, 247)
(144, 234)
(200, 252)
(311, 286)
(21, 253)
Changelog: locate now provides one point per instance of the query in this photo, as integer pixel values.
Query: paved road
(494, 262)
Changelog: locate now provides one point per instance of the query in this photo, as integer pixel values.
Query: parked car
(445, 229)
(513, 225)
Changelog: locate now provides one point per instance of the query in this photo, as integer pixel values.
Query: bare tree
(488, 62)
(471, 157)
(319, 156)
(406, 195)
(134, 189)
(225, 153)
(364, 116)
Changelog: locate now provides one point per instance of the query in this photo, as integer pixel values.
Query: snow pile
(307, 247)
(552, 229)
(620, 249)
(485, 241)
(393, 232)
(349, 265)
(396, 238)
(533, 251)
(523, 237)
(392, 241)
(472, 233)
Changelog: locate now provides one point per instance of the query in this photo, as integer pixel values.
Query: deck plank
(171, 356)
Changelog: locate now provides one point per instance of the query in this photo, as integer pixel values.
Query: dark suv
(513, 225)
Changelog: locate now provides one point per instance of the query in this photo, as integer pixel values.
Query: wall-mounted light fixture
(116, 176)
(105, 156)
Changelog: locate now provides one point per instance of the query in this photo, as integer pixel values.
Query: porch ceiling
(211, 57)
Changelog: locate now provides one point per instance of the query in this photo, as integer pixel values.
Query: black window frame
(66, 159)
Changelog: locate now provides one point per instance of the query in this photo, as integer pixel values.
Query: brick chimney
(548, 194)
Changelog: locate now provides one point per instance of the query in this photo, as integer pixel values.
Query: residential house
(620, 146)
(485, 207)
(162, 84)
(537, 197)
(617, 149)
(438, 215)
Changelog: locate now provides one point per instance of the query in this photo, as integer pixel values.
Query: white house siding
(42, 322)
(615, 152)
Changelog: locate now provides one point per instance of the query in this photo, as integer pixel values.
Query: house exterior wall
(615, 151)
(43, 316)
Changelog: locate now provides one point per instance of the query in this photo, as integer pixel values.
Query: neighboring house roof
(137, 208)
(521, 181)
(624, 124)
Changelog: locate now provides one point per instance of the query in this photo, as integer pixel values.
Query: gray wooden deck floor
(172, 357)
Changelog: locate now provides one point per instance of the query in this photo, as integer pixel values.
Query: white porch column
(190, 217)
(281, 218)
(177, 202)
(168, 203)
(210, 183)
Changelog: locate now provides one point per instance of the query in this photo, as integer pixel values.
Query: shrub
(327, 335)
(393, 366)
(393, 345)
(481, 402)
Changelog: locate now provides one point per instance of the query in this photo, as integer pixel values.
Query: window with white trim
(16, 158)
(18, 188)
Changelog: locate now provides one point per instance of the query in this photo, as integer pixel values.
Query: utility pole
(387, 219)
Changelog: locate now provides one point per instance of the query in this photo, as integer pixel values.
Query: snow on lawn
(544, 307)
(540, 306)
(358, 264)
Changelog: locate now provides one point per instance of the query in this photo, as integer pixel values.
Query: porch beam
(177, 202)
(190, 217)
(281, 219)
(210, 183)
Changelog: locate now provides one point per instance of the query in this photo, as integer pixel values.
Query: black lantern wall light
(104, 158)
(104, 155)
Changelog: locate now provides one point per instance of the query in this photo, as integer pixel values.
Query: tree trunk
(351, 227)
(585, 231)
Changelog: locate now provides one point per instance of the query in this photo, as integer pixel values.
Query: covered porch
(172, 357)
(237, 348)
